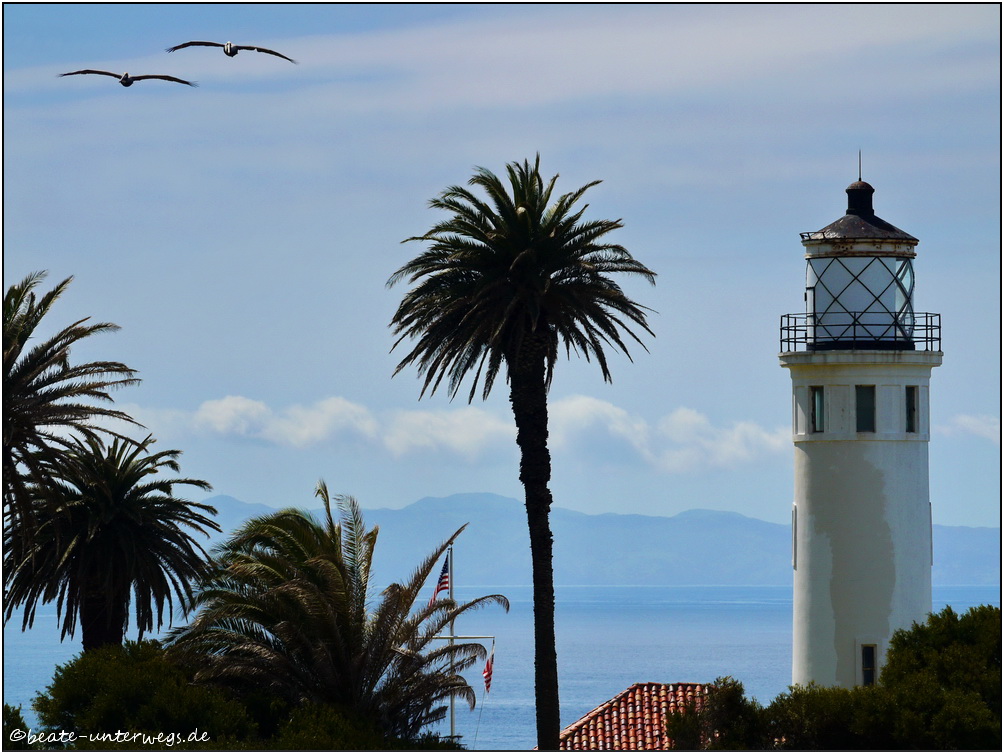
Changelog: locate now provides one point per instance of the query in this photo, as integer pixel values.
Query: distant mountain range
(693, 548)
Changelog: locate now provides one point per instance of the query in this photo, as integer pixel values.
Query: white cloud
(573, 416)
(680, 442)
(650, 50)
(683, 441)
(305, 425)
(467, 431)
(983, 425)
(699, 443)
(631, 50)
(165, 424)
(233, 415)
(296, 426)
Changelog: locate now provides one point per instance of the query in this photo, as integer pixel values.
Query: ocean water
(608, 639)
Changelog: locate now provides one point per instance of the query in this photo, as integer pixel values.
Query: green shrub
(136, 689)
(818, 718)
(944, 679)
(139, 689)
(940, 689)
(685, 729)
(727, 720)
(13, 723)
(315, 727)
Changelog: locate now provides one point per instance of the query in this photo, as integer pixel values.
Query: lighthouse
(860, 359)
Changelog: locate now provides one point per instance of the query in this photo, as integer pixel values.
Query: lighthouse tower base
(861, 519)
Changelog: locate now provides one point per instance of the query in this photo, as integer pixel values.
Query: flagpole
(453, 729)
(452, 637)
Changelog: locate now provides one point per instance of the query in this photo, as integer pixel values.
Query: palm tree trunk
(528, 395)
(102, 620)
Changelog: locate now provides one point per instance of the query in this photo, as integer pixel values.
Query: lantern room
(859, 285)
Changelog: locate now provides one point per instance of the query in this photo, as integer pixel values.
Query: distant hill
(696, 547)
(231, 513)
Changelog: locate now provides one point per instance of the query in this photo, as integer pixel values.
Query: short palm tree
(287, 612)
(46, 398)
(111, 533)
(506, 281)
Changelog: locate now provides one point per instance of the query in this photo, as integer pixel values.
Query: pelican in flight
(230, 49)
(126, 80)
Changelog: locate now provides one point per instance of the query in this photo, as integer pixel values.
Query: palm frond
(110, 534)
(285, 607)
(47, 399)
(501, 269)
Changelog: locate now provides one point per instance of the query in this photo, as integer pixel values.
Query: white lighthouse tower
(860, 360)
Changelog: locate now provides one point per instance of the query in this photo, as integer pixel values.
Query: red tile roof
(634, 720)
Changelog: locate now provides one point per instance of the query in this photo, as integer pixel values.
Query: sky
(242, 233)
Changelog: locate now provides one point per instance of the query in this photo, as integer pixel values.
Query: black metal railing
(803, 332)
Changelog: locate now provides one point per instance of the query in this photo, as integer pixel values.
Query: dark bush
(140, 689)
(940, 689)
(727, 720)
(136, 689)
(817, 718)
(944, 678)
(315, 727)
(13, 723)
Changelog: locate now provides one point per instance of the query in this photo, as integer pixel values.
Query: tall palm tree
(46, 398)
(287, 611)
(110, 533)
(505, 281)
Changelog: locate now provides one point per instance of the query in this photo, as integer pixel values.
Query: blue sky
(241, 233)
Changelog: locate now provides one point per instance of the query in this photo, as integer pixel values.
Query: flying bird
(230, 49)
(126, 80)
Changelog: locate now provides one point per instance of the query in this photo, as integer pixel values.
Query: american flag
(444, 581)
(489, 666)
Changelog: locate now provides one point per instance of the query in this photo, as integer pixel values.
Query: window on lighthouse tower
(868, 664)
(911, 408)
(864, 407)
(816, 408)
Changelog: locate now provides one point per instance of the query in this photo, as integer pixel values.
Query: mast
(453, 632)
(452, 637)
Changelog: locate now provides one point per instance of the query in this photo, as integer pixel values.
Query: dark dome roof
(860, 220)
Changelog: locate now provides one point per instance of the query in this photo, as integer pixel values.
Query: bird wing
(165, 78)
(89, 70)
(262, 49)
(194, 44)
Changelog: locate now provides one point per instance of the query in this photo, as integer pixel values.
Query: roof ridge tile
(634, 719)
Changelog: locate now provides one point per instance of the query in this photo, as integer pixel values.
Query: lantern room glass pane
(860, 299)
